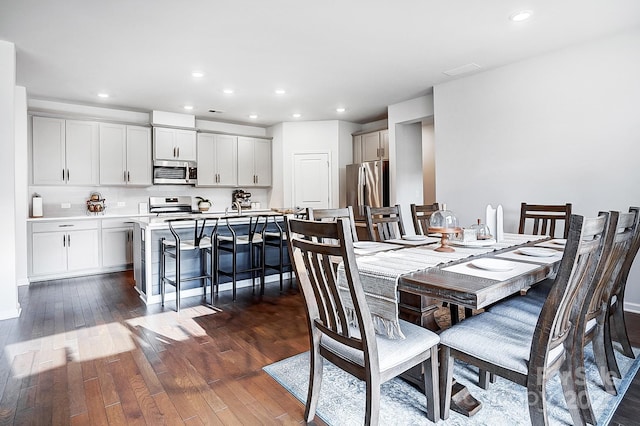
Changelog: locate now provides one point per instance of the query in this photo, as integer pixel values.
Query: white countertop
(145, 217)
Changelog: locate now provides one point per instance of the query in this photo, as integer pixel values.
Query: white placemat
(371, 247)
(468, 269)
(516, 255)
(552, 244)
(402, 241)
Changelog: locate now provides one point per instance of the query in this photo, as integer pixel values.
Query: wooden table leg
(421, 310)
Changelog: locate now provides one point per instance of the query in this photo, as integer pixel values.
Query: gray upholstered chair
(590, 319)
(384, 223)
(545, 218)
(421, 215)
(525, 353)
(315, 247)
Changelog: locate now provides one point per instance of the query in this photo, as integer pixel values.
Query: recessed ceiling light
(197, 74)
(280, 91)
(228, 91)
(297, 115)
(520, 16)
(188, 107)
(103, 95)
(340, 109)
(253, 116)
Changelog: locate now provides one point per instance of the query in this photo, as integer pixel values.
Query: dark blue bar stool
(174, 248)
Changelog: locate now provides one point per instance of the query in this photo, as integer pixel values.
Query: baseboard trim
(632, 307)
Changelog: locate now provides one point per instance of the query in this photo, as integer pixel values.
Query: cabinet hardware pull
(68, 240)
(67, 175)
(178, 152)
(64, 241)
(128, 177)
(63, 175)
(124, 176)
(174, 152)
(66, 225)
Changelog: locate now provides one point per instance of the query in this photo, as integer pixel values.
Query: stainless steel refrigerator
(367, 185)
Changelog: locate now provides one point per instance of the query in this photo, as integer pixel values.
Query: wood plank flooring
(87, 351)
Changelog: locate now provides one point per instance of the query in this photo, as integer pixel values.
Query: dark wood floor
(87, 351)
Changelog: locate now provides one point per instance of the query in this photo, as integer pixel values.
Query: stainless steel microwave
(175, 172)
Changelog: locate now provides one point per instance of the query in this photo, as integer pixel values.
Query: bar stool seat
(199, 242)
(230, 241)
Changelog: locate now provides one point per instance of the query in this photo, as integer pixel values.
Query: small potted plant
(204, 204)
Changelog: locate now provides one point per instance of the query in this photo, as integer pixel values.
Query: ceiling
(361, 55)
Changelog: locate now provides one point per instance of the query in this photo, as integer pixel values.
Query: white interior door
(311, 180)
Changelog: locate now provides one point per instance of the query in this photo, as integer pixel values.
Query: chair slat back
(545, 218)
(585, 244)
(618, 287)
(316, 249)
(421, 214)
(622, 239)
(384, 223)
(333, 214)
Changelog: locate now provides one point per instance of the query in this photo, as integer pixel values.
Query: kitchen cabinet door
(207, 173)
(164, 144)
(226, 154)
(138, 155)
(217, 162)
(117, 247)
(113, 154)
(370, 146)
(384, 144)
(186, 145)
(254, 162)
(82, 250)
(48, 139)
(49, 253)
(82, 147)
(262, 162)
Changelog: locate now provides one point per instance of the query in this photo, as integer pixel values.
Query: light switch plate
(65, 205)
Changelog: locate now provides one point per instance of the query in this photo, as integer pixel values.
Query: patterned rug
(342, 398)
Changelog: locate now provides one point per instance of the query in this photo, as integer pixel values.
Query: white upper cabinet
(125, 155)
(254, 162)
(371, 146)
(174, 144)
(217, 163)
(65, 152)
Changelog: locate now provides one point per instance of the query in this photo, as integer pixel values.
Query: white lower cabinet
(64, 247)
(117, 244)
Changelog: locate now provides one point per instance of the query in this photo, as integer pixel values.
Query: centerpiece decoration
(446, 223)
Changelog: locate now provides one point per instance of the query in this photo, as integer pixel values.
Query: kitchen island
(149, 231)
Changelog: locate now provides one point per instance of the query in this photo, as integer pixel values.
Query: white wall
(563, 127)
(405, 152)
(21, 182)
(9, 306)
(428, 163)
(332, 136)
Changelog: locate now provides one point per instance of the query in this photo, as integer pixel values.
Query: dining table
(411, 282)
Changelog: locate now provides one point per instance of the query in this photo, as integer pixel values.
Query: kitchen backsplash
(124, 200)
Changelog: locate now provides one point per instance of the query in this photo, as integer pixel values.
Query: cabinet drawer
(67, 225)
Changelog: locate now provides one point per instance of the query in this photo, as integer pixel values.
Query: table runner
(379, 275)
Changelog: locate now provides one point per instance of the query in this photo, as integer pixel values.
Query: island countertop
(160, 222)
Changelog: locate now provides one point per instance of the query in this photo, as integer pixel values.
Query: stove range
(171, 205)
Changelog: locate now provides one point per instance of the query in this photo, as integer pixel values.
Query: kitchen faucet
(238, 206)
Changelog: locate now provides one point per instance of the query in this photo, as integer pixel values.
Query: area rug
(342, 397)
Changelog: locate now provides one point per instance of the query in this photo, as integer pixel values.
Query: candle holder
(446, 223)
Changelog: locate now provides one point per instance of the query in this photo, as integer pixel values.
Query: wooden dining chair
(353, 347)
(333, 214)
(530, 354)
(616, 326)
(545, 218)
(384, 223)
(589, 319)
(421, 215)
